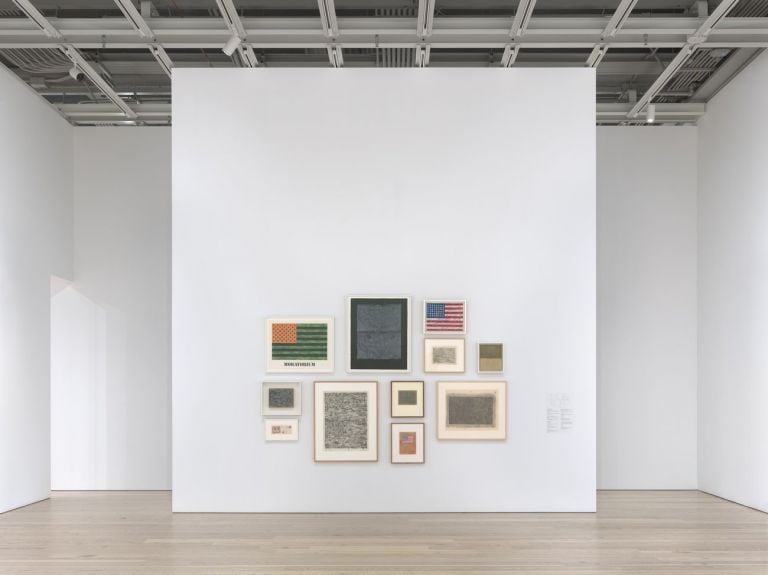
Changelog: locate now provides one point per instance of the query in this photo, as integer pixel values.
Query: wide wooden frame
(268, 423)
(461, 358)
(321, 454)
(498, 388)
(424, 329)
(381, 365)
(421, 449)
(299, 365)
(481, 343)
(267, 411)
(406, 411)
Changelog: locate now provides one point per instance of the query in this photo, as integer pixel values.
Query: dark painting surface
(280, 397)
(471, 410)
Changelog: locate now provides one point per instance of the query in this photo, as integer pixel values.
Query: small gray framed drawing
(443, 355)
(407, 443)
(490, 358)
(472, 410)
(280, 398)
(407, 399)
(346, 421)
(281, 429)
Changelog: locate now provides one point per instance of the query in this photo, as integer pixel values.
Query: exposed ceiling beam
(138, 22)
(425, 18)
(328, 18)
(694, 41)
(237, 30)
(509, 55)
(76, 57)
(522, 18)
(166, 64)
(470, 33)
(37, 17)
(90, 72)
(335, 56)
(619, 18)
(421, 58)
(135, 18)
(735, 63)
(605, 112)
(232, 18)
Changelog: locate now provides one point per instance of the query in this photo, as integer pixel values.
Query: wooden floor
(634, 532)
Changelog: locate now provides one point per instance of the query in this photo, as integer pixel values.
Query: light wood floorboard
(633, 533)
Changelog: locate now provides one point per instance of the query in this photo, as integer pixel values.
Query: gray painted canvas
(475, 410)
(281, 397)
(444, 355)
(407, 397)
(378, 331)
(346, 420)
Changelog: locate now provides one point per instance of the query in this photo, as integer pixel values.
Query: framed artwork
(299, 345)
(407, 399)
(378, 334)
(281, 429)
(490, 357)
(443, 355)
(407, 443)
(346, 426)
(471, 410)
(445, 316)
(281, 398)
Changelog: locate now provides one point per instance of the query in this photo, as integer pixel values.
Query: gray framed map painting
(378, 333)
(346, 426)
(407, 399)
(472, 410)
(299, 345)
(281, 398)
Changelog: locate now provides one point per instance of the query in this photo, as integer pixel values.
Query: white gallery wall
(111, 341)
(293, 189)
(733, 290)
(35, 244)
(646, 308)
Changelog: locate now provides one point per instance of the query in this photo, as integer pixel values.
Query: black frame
(401, 364)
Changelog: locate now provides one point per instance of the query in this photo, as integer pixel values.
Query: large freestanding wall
(294, 189)
(35, 244)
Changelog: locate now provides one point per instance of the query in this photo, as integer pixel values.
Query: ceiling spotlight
(76, 73)
(650, 114)
(232, 44)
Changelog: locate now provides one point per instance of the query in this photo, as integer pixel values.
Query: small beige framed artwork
(472, 410)
(407, 399)
(281, 429)
(407, 443)
(443, 355)
(490, 358)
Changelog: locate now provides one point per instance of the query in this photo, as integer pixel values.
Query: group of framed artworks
(346, 416)
(379, 340)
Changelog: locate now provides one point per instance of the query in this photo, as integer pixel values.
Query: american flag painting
(448, 316)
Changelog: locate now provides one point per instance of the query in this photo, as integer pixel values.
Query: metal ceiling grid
(109, 61)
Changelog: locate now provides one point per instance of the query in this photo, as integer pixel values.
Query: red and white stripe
(453, 320)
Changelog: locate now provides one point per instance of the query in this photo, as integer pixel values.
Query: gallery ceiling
(655, 59)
